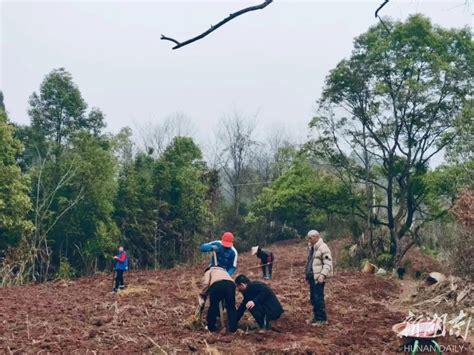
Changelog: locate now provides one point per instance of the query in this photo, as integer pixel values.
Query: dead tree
(44, 218)
(237, 140)
(155, 137)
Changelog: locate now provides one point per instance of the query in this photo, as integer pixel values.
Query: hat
(254, 250)
(227, 239)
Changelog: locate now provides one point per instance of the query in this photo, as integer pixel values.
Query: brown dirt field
(83, 316)
(420, 262)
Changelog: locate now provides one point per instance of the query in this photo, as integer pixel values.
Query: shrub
(384, 260)
(66, 271)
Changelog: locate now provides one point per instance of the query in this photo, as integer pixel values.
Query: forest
(388, 162)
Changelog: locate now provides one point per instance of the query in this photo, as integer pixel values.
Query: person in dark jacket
(121, 265)
(266, 260)
(260, 300)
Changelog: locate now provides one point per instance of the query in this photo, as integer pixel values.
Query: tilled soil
(153, 314)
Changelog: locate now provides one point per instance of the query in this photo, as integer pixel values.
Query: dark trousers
(119, 279)
(222, 291)
(261, 317)
(316, 295)
(267, 266)
(267, 270)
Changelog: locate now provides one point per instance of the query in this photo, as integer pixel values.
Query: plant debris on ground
(152, 316)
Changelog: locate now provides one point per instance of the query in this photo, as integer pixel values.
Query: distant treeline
(70, 192)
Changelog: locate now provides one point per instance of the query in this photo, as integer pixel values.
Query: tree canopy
(59, 110)
(15, 203)
(388, 109)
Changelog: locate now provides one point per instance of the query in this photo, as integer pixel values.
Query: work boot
(319, 323)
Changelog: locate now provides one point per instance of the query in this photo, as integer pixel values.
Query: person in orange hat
(224, 256)
(225, 253)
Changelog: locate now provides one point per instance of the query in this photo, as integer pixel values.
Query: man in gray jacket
(318, 270)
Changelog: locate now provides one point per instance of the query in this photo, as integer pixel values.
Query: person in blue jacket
(226, 254)
(121, 265)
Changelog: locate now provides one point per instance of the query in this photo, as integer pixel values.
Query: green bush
(384, 261)
(66, 271)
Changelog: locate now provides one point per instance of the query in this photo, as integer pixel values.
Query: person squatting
(258, 297)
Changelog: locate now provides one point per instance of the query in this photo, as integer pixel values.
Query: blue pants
(316, 295)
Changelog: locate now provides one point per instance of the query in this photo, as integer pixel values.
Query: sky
(269, 64)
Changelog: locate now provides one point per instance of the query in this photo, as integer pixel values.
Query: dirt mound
(420, 264)
(84, 315)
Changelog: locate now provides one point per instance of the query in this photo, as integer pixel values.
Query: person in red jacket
(121, 265)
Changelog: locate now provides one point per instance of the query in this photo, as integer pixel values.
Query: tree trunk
(402, 249)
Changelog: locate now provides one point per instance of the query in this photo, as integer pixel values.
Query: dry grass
(133, 290)
(210, 350)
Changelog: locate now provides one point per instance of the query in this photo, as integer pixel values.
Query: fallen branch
(215, 27)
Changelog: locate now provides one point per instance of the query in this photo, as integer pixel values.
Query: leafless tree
(30, 260)
(212, 151)
(44, 218)
(267, 157)
(236, 136)
(154, 138)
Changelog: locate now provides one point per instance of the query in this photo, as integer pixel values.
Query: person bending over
(260, 300)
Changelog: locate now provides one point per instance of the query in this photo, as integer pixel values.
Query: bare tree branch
(377, 15)
(215, 27)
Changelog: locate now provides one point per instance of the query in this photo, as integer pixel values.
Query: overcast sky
(270, 63)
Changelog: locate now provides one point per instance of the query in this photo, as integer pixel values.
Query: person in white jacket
(318, 271)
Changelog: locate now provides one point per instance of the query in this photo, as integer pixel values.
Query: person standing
(318, 270)
(121, 265)
(266, 260)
